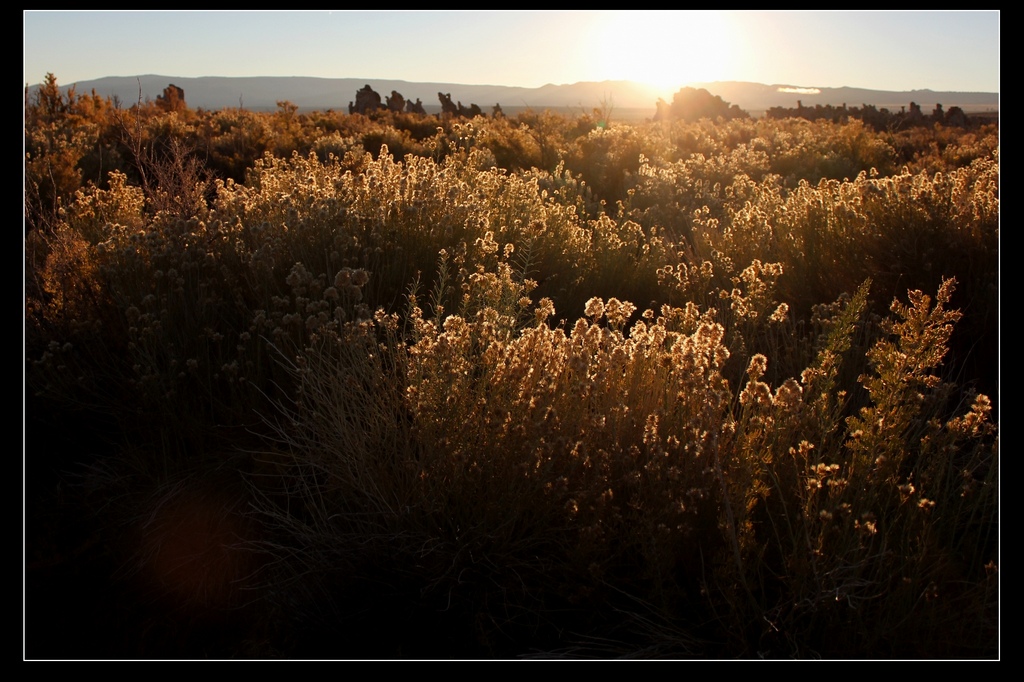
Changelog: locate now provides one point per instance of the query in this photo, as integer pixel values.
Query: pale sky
(879, 50)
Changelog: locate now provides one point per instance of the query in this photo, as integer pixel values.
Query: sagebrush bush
(529, 386)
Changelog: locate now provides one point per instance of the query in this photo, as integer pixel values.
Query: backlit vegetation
(507, 387)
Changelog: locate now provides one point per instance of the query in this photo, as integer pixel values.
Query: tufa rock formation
(173, 99)
(396, 103)
(692, 104)
(415, 108)
(448, 108)
(366, 101)
(878, 119)
(956, 117)
(471, 111)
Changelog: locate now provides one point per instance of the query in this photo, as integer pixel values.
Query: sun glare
(666, 49)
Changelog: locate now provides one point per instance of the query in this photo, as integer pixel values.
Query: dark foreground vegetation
(391, 385)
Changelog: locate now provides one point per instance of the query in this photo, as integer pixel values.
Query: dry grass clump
(524, 465)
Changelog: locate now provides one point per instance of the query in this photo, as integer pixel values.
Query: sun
(665, 49)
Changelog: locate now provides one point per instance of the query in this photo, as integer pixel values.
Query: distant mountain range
(261, 93)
